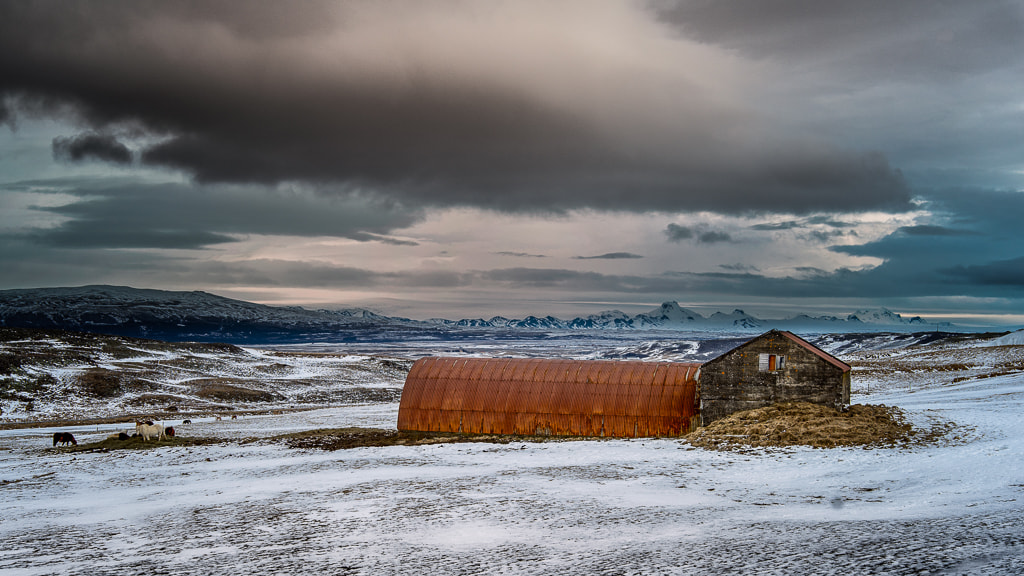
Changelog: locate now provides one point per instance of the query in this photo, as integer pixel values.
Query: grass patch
(806, 424)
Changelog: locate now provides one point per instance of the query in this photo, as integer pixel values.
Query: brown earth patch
(149, 399)
(100, 382)
(806, 424)
(219, 390)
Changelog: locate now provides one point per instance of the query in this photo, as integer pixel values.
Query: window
(771, 362)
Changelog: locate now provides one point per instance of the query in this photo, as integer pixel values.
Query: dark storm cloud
(610, 256)
(124, 213)
(510, 107)
(932, 230)
(1001, 273)
(976, 258)
(91, 146)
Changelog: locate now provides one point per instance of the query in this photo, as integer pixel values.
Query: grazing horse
(64, 438)
(149, 430)
(169, 431)
(186, 421)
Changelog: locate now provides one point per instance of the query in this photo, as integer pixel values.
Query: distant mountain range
(200, 316)
(671, 316)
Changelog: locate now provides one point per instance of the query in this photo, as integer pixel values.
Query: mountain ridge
(198, 315)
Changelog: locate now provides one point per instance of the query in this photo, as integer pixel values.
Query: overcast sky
(465, 159)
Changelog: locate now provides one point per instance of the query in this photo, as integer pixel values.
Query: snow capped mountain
(882, 316)
(201, 316)
(670, 312)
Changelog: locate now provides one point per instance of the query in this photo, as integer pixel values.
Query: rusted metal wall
(550, 397)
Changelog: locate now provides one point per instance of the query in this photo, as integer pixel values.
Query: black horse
(64, 438)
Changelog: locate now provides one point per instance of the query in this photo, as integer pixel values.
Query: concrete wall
(736, 381)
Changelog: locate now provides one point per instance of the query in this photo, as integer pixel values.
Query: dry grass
(805, 424)
(136, 443)
(344, 438)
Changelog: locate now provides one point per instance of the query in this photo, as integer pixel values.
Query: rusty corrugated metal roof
(550, 397)
(817, 351)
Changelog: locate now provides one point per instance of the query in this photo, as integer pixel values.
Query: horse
(186, 421)
(149, 430)
(64, 438)
(169, 431)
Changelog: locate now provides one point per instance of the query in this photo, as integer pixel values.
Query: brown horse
(64, 438)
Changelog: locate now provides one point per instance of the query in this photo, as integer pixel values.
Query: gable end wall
(733, 381)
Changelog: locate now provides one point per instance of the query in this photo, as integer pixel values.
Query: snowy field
(583, 507)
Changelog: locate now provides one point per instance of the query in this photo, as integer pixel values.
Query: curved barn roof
(549, 397)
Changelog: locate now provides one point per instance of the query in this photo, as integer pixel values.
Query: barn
(777, 366)
(547, 397)
(616, 399)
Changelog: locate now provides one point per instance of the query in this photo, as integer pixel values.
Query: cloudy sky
(459, 159)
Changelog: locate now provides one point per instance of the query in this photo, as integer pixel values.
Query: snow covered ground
(581, 507)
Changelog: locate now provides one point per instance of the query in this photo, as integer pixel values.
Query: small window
(771, 362)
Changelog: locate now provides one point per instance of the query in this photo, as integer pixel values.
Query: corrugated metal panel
(534, 396)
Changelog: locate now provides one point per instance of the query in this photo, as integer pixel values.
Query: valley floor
(585, 507)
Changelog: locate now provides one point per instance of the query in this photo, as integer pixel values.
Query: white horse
(149, 430)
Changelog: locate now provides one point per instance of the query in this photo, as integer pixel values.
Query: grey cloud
(714, 237)
(610, 256)
(91, 146)
(127, 213)
(803, 223)
(915, 37)
(772, 226)
(558, 278)
(739, 267)
(678, 233)
(367, 237)
(433, 104)
(829, 221)
(824, 236)
(520, 254)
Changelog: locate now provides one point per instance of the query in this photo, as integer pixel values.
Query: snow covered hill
(52, 374)
(178, 316)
